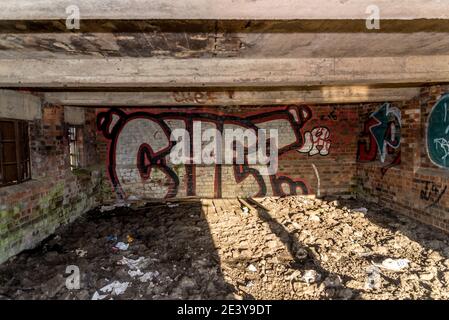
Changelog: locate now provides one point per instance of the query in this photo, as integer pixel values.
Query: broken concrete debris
(373, 279)
(276, 252)
(311, 276)
(252, 268)
(107, 208)
(362, 210)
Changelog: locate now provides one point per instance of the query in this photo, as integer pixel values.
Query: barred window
(75, 150)
(15, 166)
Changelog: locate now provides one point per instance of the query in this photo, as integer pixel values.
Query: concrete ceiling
(224, 9)
(224, 39)
(163, 46)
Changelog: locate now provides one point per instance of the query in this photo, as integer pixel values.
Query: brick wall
(376, 150)
(317, 151)
(415, 186)
(30, 211)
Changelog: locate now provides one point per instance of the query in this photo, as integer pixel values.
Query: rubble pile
(269, 248)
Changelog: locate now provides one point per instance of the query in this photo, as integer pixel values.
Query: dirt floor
(271, 248)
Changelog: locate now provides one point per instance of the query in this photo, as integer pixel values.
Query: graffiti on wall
(437, 135)
(316, 142)
(196, 97)
(383, 128)
(331, 115)
(139, 144)
(431, 192)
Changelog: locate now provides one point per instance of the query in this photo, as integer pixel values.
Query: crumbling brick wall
(317, 147)
(31, 211)
(414, 186)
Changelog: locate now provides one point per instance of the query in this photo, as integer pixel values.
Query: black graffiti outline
(430, 190)
(157, 160)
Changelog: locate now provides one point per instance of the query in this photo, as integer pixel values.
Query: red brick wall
(416, 187)
(30, 211)
(406, 180)
(335, 170)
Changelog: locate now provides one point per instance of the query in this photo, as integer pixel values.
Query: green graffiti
(438, 133)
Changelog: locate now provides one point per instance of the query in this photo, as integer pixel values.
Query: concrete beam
(355, 94)
(74, 115)
(19, 105)
(223, 10)
(151, 72)
(292, 45)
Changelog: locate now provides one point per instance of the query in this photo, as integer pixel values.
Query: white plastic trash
(115, 288)
(122, 246)
(393, 264)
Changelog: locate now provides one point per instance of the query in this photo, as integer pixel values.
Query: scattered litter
(252, 268)
(393, 264)
(112, 238)
(374, 280)
(311, 276)
(245, 210)
(135, 273)
(172, 205)
(135, 267)
(115, 288)
(98, 296)
(335, 243)
(133, 198)
(137, 264)
(80, 252)
(362, 210)
(121, 246)
(149, 276)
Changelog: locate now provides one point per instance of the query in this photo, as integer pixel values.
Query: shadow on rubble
(179, 257)
(306, 258)
(433, 243)
(428, 237)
